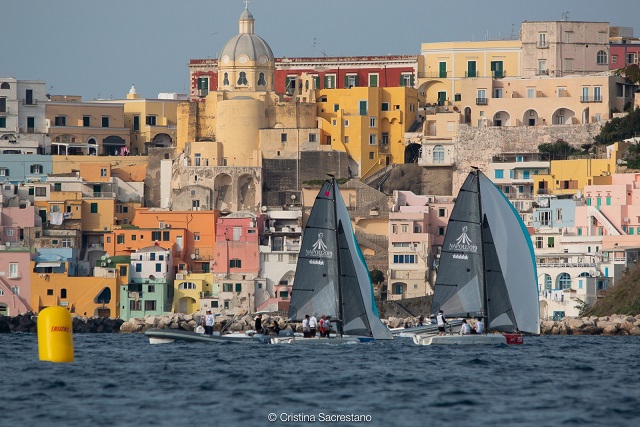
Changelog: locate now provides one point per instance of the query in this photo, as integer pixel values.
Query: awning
(48, 264)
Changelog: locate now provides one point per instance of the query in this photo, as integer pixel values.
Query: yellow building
(368, 123)
(153, 122)
(85, 128)
(51, 285)
(188, 289)
(449, 67)
(569, 176)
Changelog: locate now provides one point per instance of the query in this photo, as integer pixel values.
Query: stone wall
(476, 146)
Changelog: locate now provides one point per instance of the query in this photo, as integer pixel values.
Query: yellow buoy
(55, 335)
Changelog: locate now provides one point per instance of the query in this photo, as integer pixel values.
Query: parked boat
(332, 277)
(487, 268)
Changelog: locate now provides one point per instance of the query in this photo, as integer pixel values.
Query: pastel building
(194, 292)
(368, 124)
(149, 291)
(236, 263)
(417, 225)
(15, 283)
(151, 122)
(279, 247)
(24, 168)
(23, 127)
(86, 128)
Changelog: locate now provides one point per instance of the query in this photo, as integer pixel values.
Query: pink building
(13, 222)
(15, 273)
(236, 249)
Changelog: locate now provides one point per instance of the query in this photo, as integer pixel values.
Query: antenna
(565, 16)
(315, 40)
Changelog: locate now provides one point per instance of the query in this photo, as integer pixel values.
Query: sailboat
(487, 268)
(332, 277)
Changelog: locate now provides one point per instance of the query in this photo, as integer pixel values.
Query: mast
(485, 294)
(335, 216)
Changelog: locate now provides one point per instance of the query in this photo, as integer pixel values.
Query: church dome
(246, 46)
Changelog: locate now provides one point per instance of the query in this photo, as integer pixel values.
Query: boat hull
(474, 339)
(315, 341)
(163, 336)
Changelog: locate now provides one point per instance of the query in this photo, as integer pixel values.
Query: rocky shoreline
(26, 323)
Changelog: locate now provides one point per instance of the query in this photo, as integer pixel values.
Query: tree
(559, 150)
(376, 276)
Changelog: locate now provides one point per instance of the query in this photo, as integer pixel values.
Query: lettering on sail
(463, 243)
(319, 249)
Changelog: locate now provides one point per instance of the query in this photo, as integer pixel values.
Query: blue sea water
(122, 380)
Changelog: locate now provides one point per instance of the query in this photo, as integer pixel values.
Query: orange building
(199, 234)
(125, 241)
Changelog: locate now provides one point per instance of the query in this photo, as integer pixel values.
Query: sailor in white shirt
(441, 322)
(465, 329)
(479, 326)
(305, 326)
(313, 325)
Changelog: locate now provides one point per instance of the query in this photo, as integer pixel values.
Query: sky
(98, 49)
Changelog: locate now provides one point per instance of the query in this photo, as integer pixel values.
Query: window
(196, 236)
(86, 121)
(94, 208)
(166, 236)
(542, 39)
(123, 271)
(227, 287)
(442, 212)
(614, 59)
(384, 106)
(4, 172)
(60, 121)
(3, 105)
(63, 293)
(203, 86)
(596, 94)
(261, 80)
(135, 305)
(373, 80)
(149, 305)
(151, 120)
(158, 267)
(313, 137)
(13, 270)
(499, 174)
(350, 81)
(346, 139)
(105, 122)
(238, 287)
(397, 288)
(283, 137)
(385, 138)
(155, 236)
(36, 169)
(136, 123)
(564, 281)
(187, 285)
(568, 64)
(373, 139)
(531, 92)
(601, 57)
(152, 256)
(195, 205)
(372, 155)
(438, 154)
(138, 268)
(3, 122)
(441, 231)
(363, 108)
(120, 239)
(235, 263)
(225, 80)
(404, 259)
(242, 79)
(103, 172)
(406, 80)
(372, 122)
(497, 92)
(330, 82)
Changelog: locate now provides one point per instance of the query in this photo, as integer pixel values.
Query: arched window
(601, 57)
(584, 274)
(438, 154)
(5, 85)
(187, 285)
(547, 282)
(564, 281)
(261, 80)
(225, 81)
(242, 79)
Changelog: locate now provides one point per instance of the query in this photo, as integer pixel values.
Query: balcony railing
(542, 45)
(590, 99)
(542, 72)
(498, 74)
(29, 101)
(471, 74)
(482, 101)
(100, 195)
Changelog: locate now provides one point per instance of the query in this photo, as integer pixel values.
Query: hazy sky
(99, 48)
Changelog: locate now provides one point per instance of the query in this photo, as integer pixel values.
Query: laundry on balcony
(56, 218)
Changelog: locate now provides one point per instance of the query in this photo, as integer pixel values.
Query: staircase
(415, 126)
(606, 224)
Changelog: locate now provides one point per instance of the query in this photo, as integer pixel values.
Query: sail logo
(316, 262)
(463, 243)
(319, 249)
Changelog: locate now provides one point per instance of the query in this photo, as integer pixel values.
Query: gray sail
(315, 286)
(360, 315)
(514, 251)
(459, 284)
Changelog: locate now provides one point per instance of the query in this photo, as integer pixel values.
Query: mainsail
(331, 270)
(487, 266)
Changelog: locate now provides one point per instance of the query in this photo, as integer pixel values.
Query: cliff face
(623, 298)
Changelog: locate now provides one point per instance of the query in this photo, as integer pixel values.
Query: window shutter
(326, 82)
(357, 81)
(346, 82)
(401, 79)
(412, 77)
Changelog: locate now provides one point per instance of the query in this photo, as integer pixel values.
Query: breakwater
(604, 325)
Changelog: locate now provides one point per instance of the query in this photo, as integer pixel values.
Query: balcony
(590, 99)
(434, 75)
(542, 45)
(542, 72)
(26, 101)
(471, 74)
(482, 101)
(100, 195)
(498, 74)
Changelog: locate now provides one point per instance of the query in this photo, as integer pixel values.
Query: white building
(22, 119)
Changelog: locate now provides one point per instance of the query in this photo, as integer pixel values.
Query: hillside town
(137, 207)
